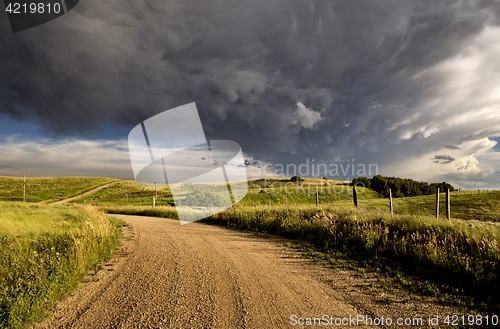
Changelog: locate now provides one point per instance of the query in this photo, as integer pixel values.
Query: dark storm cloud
(451, 147)
(442, 159)
(286, 79)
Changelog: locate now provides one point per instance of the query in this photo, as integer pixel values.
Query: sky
(410, 87)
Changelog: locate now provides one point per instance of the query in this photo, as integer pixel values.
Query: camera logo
(205, 177)
(24, 14)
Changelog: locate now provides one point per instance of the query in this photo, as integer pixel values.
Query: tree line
(400, 187)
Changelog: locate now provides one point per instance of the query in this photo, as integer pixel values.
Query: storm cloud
(375, 81)
(442, 159)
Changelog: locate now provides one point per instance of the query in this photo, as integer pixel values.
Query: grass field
(46, 250)
(467, 205)
(459, 259)
(47, 189)
(135, 193)
(258, 194)
(461, 256)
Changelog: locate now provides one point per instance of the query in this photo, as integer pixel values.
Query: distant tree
(296, 179)
(362, 181)
(442, 187)
(400, 187)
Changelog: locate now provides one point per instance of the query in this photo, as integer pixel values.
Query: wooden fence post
(390, 197)
(437, 203)
(354, 195)
(24, 189)
(269, 202)
(448, 214)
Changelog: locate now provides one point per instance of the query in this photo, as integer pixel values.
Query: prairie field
(456, 261)
(47, 189)
(46, 250)
(459, 259)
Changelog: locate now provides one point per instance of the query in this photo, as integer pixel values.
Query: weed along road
(201, 276)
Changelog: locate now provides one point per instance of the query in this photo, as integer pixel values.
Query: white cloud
(69, 157)
(306, 117)
(473, 164)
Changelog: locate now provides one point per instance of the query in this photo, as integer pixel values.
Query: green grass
(480, 206)
(46, 250)
(136, 194)
(467, 205)
(457, 259)
(462, 256)
(47, 189)
(395, 277)
(162, 212)
(302, 194)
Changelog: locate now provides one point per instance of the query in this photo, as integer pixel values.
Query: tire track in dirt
(97, 189)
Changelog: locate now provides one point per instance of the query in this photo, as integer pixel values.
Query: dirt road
(201, 276)
(97, 189)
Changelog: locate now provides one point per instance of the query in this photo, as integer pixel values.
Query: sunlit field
(46, 250)
(455, 260)
(460, 257)
(47, 189)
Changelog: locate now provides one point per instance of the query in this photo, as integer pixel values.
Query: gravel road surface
(200, 276)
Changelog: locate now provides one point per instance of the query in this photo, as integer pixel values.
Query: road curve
(202, 276)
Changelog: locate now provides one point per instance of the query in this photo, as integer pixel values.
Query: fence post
(24, 189)
(437, 203)
(354, 195)
(154, 201)
(127, 196)
(390, 197)
(269, 202)
(448, 215)
(317, 199)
